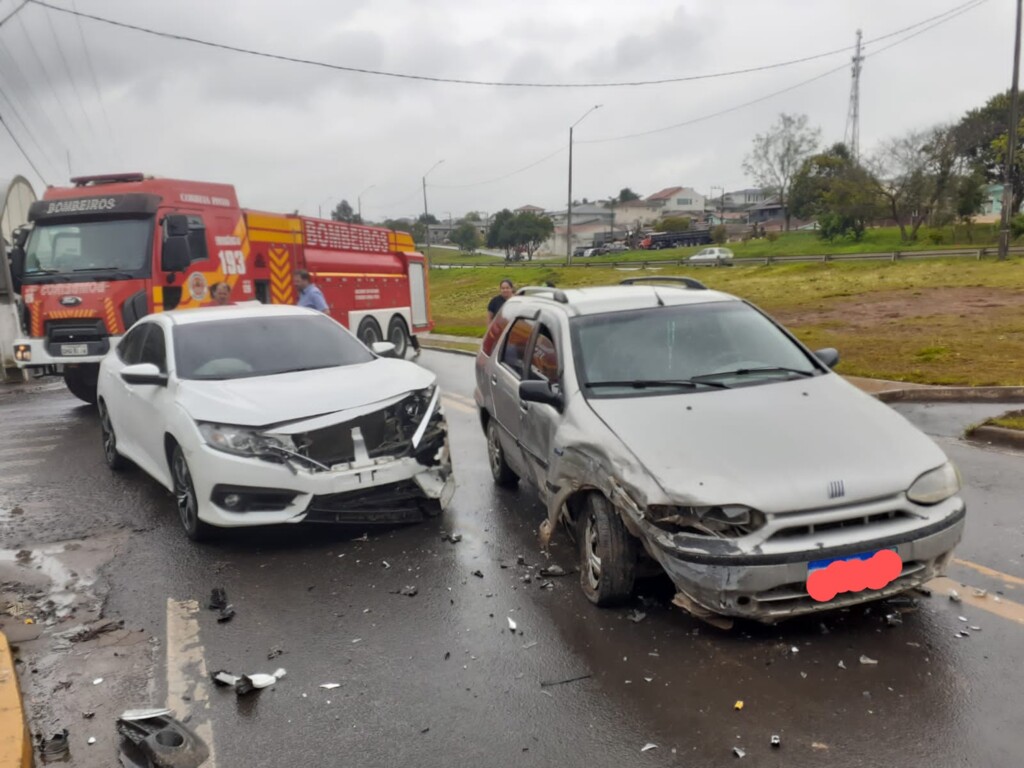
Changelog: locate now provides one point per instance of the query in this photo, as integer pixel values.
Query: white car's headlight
(936, 485)
(241, 441)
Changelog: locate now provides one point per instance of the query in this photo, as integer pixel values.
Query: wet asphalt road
(438, 679)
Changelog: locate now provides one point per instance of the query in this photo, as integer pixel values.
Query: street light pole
(568, 210)
(360, 201)
(1011, 149)
(426, 211)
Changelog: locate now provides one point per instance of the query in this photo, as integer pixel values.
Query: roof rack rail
(106, 178)
(543, 290)
(687, 282)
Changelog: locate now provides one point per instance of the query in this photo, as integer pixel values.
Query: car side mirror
(384, 349)
(144, 373)
(176, 255)
(176, 225)
(541, 392)
(829, 356)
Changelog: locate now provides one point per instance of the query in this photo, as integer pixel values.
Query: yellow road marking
(1001, 607)
(186, 671)
(991, 572)
(458, 405)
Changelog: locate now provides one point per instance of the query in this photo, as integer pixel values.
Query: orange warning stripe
(281, 289)
(112, 327)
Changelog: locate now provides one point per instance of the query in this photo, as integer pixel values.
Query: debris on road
(962, 618)
(738, 705)
(975, 629)
(478, 573)
(552, 683)
(364, 537)
(648, 747)
(145, 714)
(981, 593)
(552, 571)
(818, 745)
(330, 686)
(528, 646)
(55, 746)
(776, 741)
(91, 632)
(408, 591)
(893, 619)
(955, 596)
(218, 599)
(636, 616)
(794, 649)
(923, 590)
(386, 564)
(739, 752)
(511, 624)
(520, 559)
(867, 660)
(227, 613)
(548, 585)
(454, 538)
(220, 677)
(164, 741)
(97, 681)
(274, 653)
(842, 665)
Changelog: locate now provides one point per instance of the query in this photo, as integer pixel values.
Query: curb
(432, 348)
(1007, 438)
(953, 395)
(16, 749)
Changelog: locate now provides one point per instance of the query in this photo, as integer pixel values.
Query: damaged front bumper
(771, 586)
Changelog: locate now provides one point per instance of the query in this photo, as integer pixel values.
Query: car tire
(185, 498)
(398, 334)
(82, 382)
(500, 470)
(114, 459)
(607, 553)
(369, 332)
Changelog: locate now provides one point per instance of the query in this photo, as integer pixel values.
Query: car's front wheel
(186, 499)
(500, 470)
(607, 553)
(114, 459)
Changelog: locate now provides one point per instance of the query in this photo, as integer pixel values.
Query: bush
(772, 236)
(719, 234)
(1017, 226)
(936, 238)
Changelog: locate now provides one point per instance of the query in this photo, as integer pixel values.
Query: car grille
(854, 521)
(395, 503)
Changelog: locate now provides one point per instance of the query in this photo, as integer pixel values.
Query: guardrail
(750, 261)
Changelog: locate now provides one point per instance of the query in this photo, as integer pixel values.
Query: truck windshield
(111, 245)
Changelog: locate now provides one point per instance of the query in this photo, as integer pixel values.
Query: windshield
(111, 245)
(689, 348)
(263, 346)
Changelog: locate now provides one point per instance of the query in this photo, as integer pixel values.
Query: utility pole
(852, 135)
(1011, 148)
(359, 201)
(426, 212)
(568, 210)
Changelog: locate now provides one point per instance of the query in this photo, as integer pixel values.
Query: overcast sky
(291, 136)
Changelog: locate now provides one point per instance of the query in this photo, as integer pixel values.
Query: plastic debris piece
(88, 715)
(224, 678)
(842, 665)
(975, 629)
(980, 592)
(794, 649)
(776, 741)
(479, 574)
(227, 613)
(447, 655)
(164, 742)
(511, 624)
(552, 571)
(963, 619)
(636, 616)
(218, 599)
(893, 619)
(131, 715)
(520, 560)
(818, 745)
(803, 675)
(739, 752)
(364, 537)
(648, 747)
(738, 705)
(528, 646)
(274, 653)
(97, 681)
(961, 633)
(385, 563)
(955, 596)
(91, 740)
(30, 621)
(330, 686)
(648, 679)
(867, 660)
(249, 683)
(409, 591)
(548, 585)
(56, 745)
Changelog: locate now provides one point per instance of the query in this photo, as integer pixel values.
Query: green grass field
(945, 321)
(1012, 420)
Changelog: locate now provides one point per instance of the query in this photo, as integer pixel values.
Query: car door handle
(494, 379)
(523, 406)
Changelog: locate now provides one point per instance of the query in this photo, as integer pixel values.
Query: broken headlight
(935, 486)
(725, 521)
(242, 441)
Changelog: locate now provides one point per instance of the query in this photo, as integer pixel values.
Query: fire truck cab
(99, 255)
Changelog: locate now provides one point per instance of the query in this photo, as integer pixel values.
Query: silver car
(713, 256)
(674, 426)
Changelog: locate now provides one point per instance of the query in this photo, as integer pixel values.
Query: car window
(154, 347)
(544, 359)
(130, 347)
(495, 329)
(264, 346)
(515, 346)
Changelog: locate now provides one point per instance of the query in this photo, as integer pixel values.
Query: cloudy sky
(290, 136)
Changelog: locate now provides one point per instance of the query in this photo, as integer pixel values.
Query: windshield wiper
(754, 371)
(120, 272)
(42, 271)
(648, 383)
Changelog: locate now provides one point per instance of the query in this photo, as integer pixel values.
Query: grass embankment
(1012, 420)
(954, 321)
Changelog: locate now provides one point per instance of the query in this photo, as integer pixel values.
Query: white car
(257, 415)
(715, 255)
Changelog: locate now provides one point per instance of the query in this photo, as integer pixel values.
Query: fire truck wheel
(81, 381)
(369, 332)
(398, 335)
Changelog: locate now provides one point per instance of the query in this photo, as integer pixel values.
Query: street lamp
(568, 212)
(426, 212)
(360, 201)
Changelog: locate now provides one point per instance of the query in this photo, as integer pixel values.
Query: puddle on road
(54, 570)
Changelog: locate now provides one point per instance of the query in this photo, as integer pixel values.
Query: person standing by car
(494, 305)
(309, 295)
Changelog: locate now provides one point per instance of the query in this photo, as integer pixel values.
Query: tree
(398, 225)
(719, 234)
(970, 196)
(778, 154)
(627, 195)
(466, 237)
(343, 212)
(472, 216)
(977, 137)
(833, 189)
(528, 231)
(674, 224)
(498, 234)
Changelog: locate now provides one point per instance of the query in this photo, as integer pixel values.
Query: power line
(96, 85)
(67, 70)
(21, 149)
(28, 131)
(34, 101)
(501, 178)
(464, 81)
(13, 13)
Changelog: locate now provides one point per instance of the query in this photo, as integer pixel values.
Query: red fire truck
(99, 255)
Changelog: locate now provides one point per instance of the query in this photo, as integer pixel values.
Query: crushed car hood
(775, 447)
(265, 400)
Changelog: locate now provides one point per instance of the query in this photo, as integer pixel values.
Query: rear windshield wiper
(753, 371)
(648, 383)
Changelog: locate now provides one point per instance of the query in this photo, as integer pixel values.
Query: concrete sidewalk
(15, 742)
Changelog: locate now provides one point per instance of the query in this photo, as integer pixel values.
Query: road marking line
(20, 463)
(458, 405)
(1004, 609)
(186, 670)
(461, 398)
(26, 449)
(991, 572)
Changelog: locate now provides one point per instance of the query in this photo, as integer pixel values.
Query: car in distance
(714, 256)
(256, 415)
(670, 425)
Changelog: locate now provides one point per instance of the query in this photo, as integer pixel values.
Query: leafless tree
(778, 154)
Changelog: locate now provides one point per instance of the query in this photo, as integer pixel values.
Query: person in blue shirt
(309, 295)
